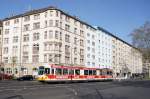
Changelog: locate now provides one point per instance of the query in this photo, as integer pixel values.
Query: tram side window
(47, 70)
(90, 72)
(94, 72)
(77, 72)
(58, 71)
(71, 72)
(86, 72)
(65, 71)
(52, 72)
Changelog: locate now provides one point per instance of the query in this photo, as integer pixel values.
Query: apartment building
(104, 49)
(90, 48)
(127, 60)
(37, 37)
(51, 36)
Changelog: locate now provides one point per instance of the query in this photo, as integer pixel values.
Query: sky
(119, 17)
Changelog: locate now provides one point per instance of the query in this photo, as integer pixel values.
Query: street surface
(92, 90)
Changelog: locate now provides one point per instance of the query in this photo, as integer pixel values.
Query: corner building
(47, 35)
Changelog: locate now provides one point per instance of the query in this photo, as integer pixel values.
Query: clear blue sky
(117, 16)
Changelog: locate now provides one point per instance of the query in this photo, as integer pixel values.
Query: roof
(43, 10)
(103, 30)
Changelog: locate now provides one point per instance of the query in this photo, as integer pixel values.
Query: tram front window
(47, 70)
(41, 70)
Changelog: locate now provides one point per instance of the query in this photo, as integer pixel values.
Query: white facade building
(104, 49)
(90, 48)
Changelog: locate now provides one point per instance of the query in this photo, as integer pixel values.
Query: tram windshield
(41, 70)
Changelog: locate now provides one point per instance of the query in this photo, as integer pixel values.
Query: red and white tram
(56, 73)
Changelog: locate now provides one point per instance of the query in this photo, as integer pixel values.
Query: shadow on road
(15, 97)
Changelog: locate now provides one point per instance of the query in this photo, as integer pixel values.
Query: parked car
(5, 76)
(26, 77)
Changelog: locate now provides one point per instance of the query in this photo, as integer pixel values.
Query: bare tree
(141, 39)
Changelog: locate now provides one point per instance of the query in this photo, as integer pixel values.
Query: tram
(56, 73)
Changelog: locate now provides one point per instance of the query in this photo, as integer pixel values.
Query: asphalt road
(92, 90)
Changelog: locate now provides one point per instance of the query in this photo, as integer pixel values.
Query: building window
(35, 48)
(5, 59)
(67, 50)
(67, 59)
(45, 14)
(88, 63)
(26, 27)
(45, 35)
(75, 22)
(93, 64)
(5, 50)
(81, 43)
(36, 25)
(35, 58)
(88, 48)
(93, 43)
(67, 27)
(57, 13)
(81, 51)
(81, 25)
(45, 58)
(7, 23)
(25, 48)
(56, 34)
(50, 34)
(67, 38)
(45, 23)
(16, 21)
(36, 16)
(93, 56)
(25, 59)
(88, 55)
(50, 22)
(81, 33)
(36, 36)
(75, 30)
(60, 35)
(75, 50)
(51, 13)
(93, 50)
(67, 19)
(27, 18)
(75, 40)
(6, 31)
(15, 30)
(6, 40)
(15, 39)
(88, 41)
(26, 38)
(93, 37)
(75, 60)
(88, 34)
(57, 23)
